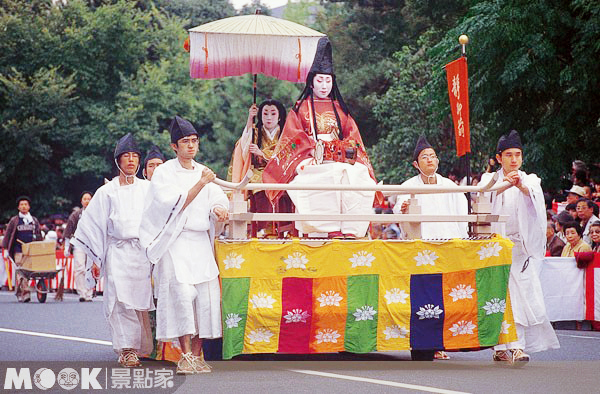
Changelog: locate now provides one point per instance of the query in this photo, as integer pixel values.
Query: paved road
(79, 335)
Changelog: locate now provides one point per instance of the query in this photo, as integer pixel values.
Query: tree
(533, 67)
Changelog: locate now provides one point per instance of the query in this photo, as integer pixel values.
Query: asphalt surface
(72, 332)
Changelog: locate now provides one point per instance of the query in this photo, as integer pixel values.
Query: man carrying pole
(177, 232)
(523, 203)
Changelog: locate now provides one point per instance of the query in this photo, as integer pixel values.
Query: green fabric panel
(361, 321)
(492, 285)
(234, 307)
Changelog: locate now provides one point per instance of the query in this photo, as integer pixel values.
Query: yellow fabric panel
(264, 316)
(238, 259)
(393, 323)
(508, 333)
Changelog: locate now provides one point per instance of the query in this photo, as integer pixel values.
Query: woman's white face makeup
(270, 117)
(322, 85)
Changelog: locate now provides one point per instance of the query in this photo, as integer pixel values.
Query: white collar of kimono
(271, 134)
(435, 175)
(179, 167)
(27, 218)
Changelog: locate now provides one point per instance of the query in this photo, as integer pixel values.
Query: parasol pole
(254, 89)
(256, 12)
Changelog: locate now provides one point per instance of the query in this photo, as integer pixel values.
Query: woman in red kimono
(321, 144)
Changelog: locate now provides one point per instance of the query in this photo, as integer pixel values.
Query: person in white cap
(574, 194)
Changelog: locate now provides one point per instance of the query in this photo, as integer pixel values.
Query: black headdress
(23, 198)
(154, 153)
(180, 128)
(126, 144)
(323, 64)
(512, 140)
(422, 144)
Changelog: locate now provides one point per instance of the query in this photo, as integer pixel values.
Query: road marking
(42, 334)
(67, 296)
(577, 336)
(377, 381)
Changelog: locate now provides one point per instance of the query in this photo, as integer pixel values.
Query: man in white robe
(108, 232)
(523, 202)
(176, 232)
(426, 162)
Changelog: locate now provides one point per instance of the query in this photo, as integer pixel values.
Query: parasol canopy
(256, 44)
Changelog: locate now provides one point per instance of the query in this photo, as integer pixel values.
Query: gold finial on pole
(463, 41)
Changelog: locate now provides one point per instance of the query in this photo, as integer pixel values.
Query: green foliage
(76, 77)
(251, 7)
(533, 67)
(196, 12)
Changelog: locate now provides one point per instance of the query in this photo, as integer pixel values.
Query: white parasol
(256, 44)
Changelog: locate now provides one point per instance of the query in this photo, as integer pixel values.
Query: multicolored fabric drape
(364, 296)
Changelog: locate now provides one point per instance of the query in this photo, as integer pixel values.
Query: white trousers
(186, 309)
(129, 330)
(534, 331)
(324, 202)
(79, 260)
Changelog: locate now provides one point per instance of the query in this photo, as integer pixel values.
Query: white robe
(326, 202)
(526, 227)
(108, 232)
(179, 242)
(438, 204)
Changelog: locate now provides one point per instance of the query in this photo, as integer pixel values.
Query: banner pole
(463, 40)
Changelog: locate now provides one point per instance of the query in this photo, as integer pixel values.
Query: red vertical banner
(458, 92)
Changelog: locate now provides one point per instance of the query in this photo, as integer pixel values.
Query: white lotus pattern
(426, 257)
(505, 326)
(395, 295)
(361, 259)
(329, 298)
(260, 335)
(233, 260)
(327, 335)
(489, 250)
(262, 300)
(365, 313)
(495, 305)
(296, 315)
(461, 292)
(429, 311)
(463, 327)
(232, 320)
(395, 331)
(296, 260)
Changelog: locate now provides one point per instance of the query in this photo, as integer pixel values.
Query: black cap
(180, 128)
(323, 62)
(126, 144)
(154, 153)
(422, 144)
(21, 198)
(512, 140)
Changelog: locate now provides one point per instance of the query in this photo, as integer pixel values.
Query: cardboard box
(39, 256)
